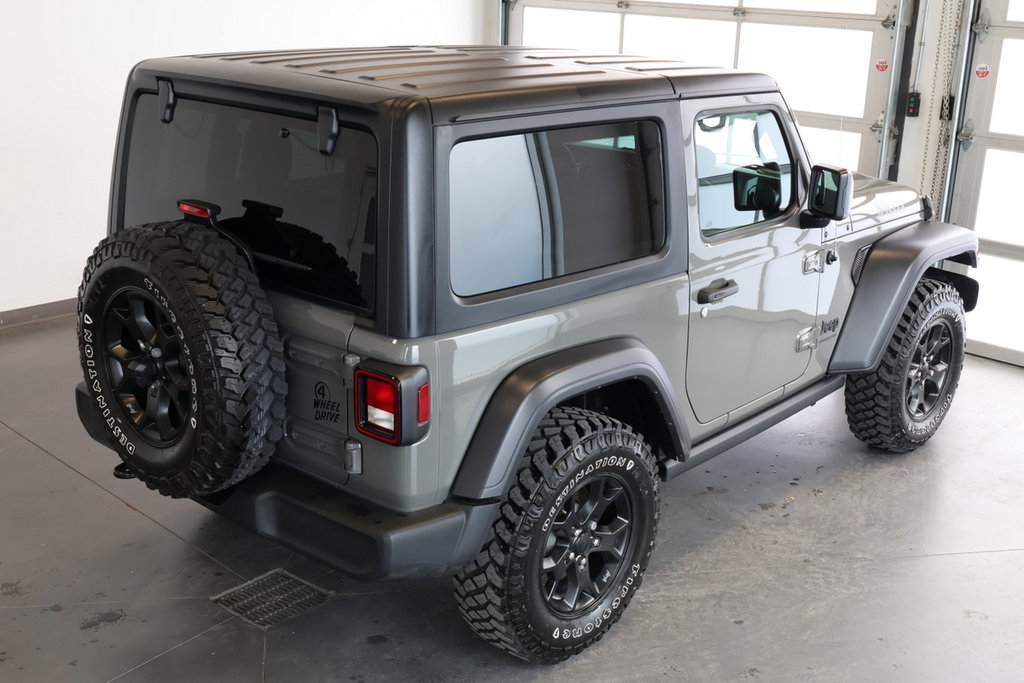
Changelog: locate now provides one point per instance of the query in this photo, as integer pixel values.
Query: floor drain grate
(271, 599)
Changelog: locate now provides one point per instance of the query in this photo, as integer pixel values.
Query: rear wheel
(181, 357)
(900, 406)
(572, 542)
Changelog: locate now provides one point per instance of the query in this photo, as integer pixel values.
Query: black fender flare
(529, 392)
(893, 268)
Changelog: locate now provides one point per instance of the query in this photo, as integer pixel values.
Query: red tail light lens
(381, 397)
(392, 402)
(377, 399)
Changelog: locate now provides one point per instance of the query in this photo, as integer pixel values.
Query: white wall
(63, 65)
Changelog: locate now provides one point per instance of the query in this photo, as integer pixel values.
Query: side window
(535, 206)
(744, 171)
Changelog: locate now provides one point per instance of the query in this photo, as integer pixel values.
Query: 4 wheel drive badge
(324, 409)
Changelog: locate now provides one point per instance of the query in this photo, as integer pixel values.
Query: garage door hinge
(889, 23)
(966, 134)
(982, 26)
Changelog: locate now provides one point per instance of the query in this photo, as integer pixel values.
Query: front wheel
(901, 405)
(572, 542)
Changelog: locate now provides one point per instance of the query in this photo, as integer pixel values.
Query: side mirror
(831, 192)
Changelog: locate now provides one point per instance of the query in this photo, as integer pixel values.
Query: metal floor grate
(271, 599)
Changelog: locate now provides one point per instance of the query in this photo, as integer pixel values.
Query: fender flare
(529, 392)
(893, 268)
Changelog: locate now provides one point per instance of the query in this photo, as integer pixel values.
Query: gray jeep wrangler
(425, 311)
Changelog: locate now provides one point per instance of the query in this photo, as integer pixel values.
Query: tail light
(392, 402)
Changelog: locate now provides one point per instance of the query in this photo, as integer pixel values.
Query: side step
(732, 436)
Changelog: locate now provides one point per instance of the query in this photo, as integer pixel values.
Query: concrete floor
(800, 555)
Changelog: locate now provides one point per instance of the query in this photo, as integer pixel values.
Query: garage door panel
(832, 58)
(816, 81)
(700, 41)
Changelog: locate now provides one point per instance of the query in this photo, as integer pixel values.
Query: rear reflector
(423, 404)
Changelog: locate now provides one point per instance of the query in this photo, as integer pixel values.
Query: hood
(877, 202)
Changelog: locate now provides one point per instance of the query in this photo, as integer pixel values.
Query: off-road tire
(899, 406)
(181, 356)
(508, 597)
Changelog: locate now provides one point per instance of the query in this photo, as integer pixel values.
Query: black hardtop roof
(464, 82)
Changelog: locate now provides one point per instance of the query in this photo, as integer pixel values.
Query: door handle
(715, 293)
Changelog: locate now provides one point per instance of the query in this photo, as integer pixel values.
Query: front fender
(892, 270)
(528, 393)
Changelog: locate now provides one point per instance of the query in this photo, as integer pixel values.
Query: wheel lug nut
(593, 525)
(572, 557)
(577, 532)
(595, 543)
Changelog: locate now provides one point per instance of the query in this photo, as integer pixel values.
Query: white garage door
(989, 177)
(834, 59)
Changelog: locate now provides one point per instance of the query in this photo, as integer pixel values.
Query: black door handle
(715, 293)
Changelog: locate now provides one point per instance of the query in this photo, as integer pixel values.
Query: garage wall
(63, 65)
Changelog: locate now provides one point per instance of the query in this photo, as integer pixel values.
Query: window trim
(795, 164)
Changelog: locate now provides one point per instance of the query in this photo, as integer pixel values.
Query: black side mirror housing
(831, 192)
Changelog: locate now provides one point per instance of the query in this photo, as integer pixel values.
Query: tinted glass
(540, 205)
(743, 170)
(309, 218)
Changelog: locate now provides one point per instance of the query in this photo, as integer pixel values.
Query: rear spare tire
(181, 357)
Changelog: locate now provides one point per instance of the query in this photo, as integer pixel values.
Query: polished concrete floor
(799, 556)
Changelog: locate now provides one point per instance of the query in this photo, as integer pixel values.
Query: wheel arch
(620, 377)
(894, 266)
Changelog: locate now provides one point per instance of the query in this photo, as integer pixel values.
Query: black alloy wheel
(147, 366)
(586, 545)
(928, 370)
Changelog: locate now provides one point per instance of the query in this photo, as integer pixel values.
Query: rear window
(536, 206)
(309, 218)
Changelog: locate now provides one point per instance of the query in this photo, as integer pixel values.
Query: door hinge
(806, 339)
(889, 23)
(966, 134)
(983, 25)
(816, 261)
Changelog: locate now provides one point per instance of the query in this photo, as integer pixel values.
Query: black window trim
(454, 312)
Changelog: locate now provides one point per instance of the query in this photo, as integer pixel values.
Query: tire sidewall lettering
(106, 283)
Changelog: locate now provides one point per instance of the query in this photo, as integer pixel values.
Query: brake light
(381, 397)
(193, 209)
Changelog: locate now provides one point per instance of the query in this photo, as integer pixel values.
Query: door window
(744, 171)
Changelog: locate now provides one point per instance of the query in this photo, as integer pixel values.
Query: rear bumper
(359, 538)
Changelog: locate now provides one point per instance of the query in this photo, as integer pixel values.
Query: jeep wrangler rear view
(423, 311)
